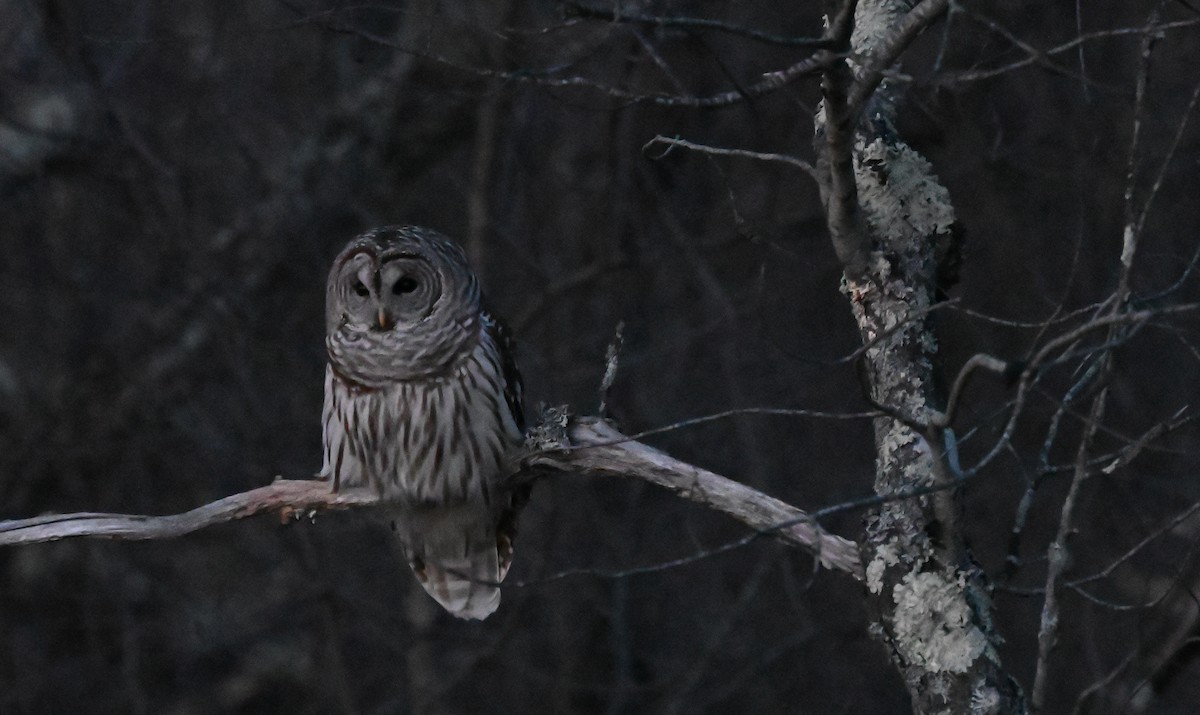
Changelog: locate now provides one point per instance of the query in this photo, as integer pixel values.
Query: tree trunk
(930, 605)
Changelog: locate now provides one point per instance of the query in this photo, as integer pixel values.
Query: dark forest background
(175, 178)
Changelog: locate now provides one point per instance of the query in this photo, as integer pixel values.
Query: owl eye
(406, 284)
(361, 289)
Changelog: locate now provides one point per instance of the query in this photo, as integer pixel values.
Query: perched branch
(594, 447)
(286, 496)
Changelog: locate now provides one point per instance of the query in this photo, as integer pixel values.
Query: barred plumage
(422, 403)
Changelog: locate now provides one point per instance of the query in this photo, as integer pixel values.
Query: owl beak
(385, 323)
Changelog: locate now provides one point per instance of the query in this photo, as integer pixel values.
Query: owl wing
(513, 387)
(517, 496)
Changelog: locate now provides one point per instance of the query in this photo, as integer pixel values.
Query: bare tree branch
(592, 446)
(835, 162)
(1059, 557)
(1044, 358)
(596, 447)
(287, 496)
(579, 9)
(977, 361)
(767, 83)
(1042, 57)
(1133, 223)
(672, 142)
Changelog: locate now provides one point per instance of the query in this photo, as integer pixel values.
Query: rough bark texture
(930, 606)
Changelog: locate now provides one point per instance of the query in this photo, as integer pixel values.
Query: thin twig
(1133, 222)
(1167, 157)
(1102, 683)
(1012, 562)
(1037, 56)
(1133, 449)
(1040, 57)
(1059, 557)
(1152, 536)
(724, 414)
(768, 83)
(1087, 93)
(1041, 359)
(977, 361)
(719, 151)
(578, 9)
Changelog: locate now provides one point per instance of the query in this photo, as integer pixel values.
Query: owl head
(401, 303)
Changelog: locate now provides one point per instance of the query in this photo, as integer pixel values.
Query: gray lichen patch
(899, 544)
(890, 309)
(901, 448)
(888, 312)
(900, 194)
(873, 22)
(932, 623)
(906, 454)
(886, 555)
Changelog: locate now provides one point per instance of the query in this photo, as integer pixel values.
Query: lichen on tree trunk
(929, 604)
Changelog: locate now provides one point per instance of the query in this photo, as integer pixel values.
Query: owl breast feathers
(423, 404)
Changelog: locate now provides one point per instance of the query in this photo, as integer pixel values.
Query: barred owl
(423, 405)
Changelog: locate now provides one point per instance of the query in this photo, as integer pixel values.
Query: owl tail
(454, 554)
